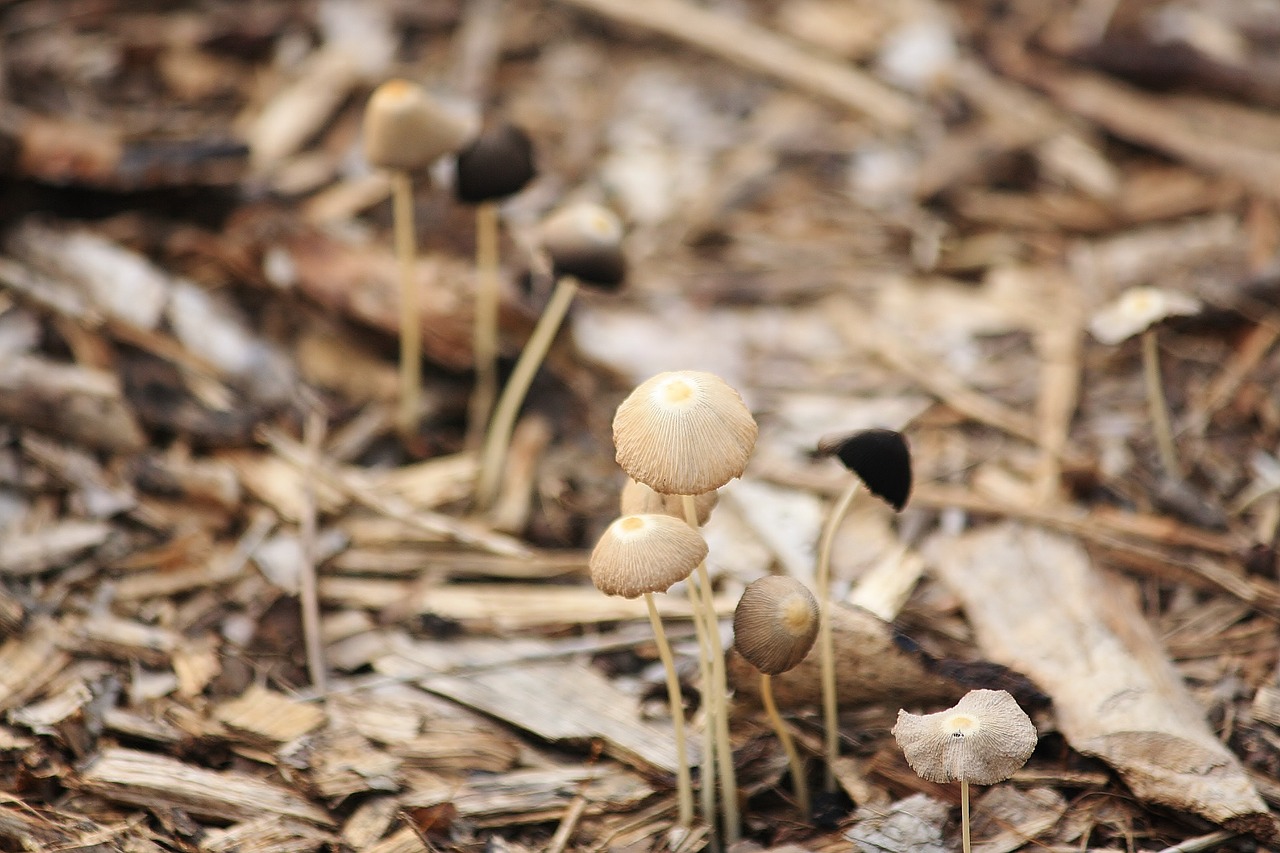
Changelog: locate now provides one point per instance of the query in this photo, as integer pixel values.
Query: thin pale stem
(498, 438)
(410, 324)
(1158, 406)
(485, 344)
(684, 782)
(308, 596)
(707, 789)
(964, 816)
(798, 780)
(718, 695)
(826, 651)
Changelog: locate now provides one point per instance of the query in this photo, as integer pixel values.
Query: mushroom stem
(684, 783)
(826, 653)
(410, 326)
(486, 323)
(798, 780)
(717, 695)
(964, 816)
(1159, 408)
(504, 417)
(707, 790)
(308, 596)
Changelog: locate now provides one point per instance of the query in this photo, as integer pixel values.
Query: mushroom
(686, 433)
(584, 245)
(774, 627)
(984, 739)
(497, 164)
(640, 555)
(404, 132)
(881, 460)
(637, 497)
(1138, 310)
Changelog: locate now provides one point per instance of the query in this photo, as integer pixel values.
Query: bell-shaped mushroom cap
(638, 498)
(405, 129)
(775, 623)
(496, 164)
(645, 553)
(684, 433)
(982, 740)
(879, 457)
(585, 241)
(1136, 310)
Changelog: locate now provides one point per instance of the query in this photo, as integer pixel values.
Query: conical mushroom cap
(585, 241)
(496, 164)
(984, 739)
(638, 498)
(880, 458)
(404, 129)
(645, 553)
(1136, 310)
(684, 433)
(775, 623)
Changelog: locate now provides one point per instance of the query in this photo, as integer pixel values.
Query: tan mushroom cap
(775, 623)
(984, 739)
(1136, 310)
(638, 498)
(404, 129)
(645, 553)
(684, 433)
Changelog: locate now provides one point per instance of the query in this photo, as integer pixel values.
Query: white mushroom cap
(684, 433)
(982, 740)
(1136, 310)
(638, 498)
(645, 553)
(405, 129)
(775, 623)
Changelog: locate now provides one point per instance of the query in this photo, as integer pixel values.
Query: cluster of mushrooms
(680, 436)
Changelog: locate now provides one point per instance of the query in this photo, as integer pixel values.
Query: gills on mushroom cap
(684, 433)
(984, 739)
(645, 553)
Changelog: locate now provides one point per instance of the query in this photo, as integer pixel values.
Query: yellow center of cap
(631, 523)
(962, 725)
(796, 615)
(677, 391)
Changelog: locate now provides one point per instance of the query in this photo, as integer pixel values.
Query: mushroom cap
(880, 458)
(638, 498)
(645, 553)
(1136, 310)
(684, 433)
(406, 129)
(775, 623)
(496, 164)
(983, 739)
(584, 240)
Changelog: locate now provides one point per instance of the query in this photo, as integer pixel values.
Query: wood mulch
(859, 213)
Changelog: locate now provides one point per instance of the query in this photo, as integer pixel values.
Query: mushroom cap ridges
(645, 553)
(496, 164)
(984, 739)
(405, 129)
(684, 433)
(638, 498)
(775, 623)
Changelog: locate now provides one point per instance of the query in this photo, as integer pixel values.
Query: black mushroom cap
(879, 457)
(496, 164)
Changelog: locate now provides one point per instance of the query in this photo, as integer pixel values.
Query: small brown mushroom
(645, 553)
(984, 739)
(684, 433)
(774, 627)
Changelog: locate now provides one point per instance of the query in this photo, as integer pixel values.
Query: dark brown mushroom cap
(496, 164)
(880, 458)
(585, 241)
(645, 553)
(405, 129)
(984, 739)
(638, 498)
(775, 623)
(684, 433)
